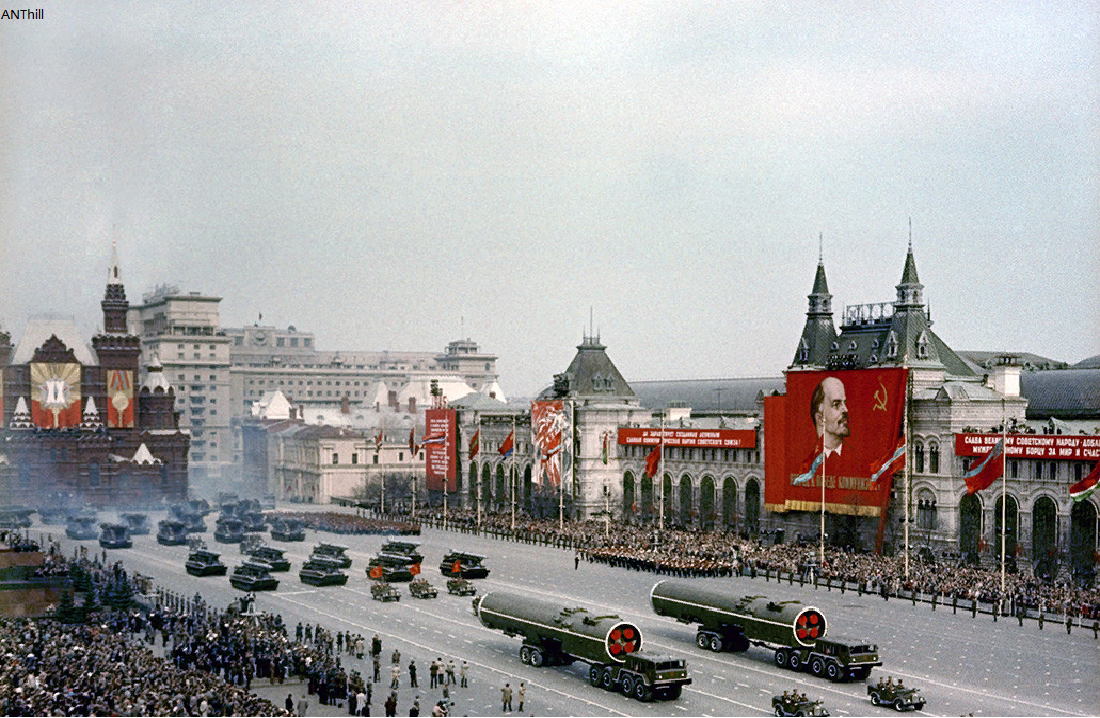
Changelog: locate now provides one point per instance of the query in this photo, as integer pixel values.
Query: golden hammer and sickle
(880, 396)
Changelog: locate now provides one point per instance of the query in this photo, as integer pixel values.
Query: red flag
(1084, 488)
(505, 449)
(653, 461)
(414, 569)
(378, 439)
(475, 443)
(989, 470)
(412, 441)
(890, 464)
(456, 567)
(377, 572)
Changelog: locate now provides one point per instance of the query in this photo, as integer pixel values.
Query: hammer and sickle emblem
(880, 397)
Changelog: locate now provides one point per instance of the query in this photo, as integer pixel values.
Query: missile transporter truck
(553, 635)
(795, 632)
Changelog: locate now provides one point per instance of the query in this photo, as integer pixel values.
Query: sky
(400, 175)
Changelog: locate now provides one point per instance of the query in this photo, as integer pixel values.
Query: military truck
(322, 571)
(114, 536)
(383, 591)
(408, 549)
(460, 564)
(205, 563)
(795, 632)
(797, 704)
(897, 695)
(421, 588)
(556, 635)
(172, 532)
(460, 587)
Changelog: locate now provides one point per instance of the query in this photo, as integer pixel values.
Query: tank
(114, 536)
(171, 532)
(229, 530)
(139, 524)
(333, 551)
(460, 564)
(322, 571)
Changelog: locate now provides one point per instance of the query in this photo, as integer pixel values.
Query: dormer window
(892, 346)
(804, 351)
(597, 382)
(922, 346)
(874, 343)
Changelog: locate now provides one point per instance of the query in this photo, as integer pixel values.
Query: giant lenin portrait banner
(833, 427)
(548, 423)
(440, 440)
(55, 395)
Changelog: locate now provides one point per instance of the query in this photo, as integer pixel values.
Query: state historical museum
(76, 423)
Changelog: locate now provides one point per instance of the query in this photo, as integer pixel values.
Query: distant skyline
(395, 176)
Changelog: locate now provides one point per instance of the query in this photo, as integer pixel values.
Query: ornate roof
(40, 330)
(593, 375)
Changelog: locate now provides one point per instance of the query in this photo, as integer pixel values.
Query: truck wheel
(628, 685)
(525, 654)
(607, 680)
(716, 644)
(593, 675)
(832, 670)
(781, 657)
(536, 657)
(702, 640)
(641, 692)
(817, 666)
(875, 700)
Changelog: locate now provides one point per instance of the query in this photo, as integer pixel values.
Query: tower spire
(114, 302)
(114, 276)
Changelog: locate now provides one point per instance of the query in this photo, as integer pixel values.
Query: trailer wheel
(716, 644)
(608, 679)
(702, 640)
(641, 692)
(594, 676)
(832, 670)
(817, 666)
(536, 657)
(781, 657)
(525, 654)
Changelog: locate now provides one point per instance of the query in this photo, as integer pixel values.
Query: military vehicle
(81, 528)
(555, 635)
(138, 523)
(408, 549)
(393, 568)
(253, 576)
(114, 536)
(897, 695)
(253, 521)
(797, 704)
(171, 532)
(459, 564)
(383, 591)
(287, 529)
(333, 551)
(272, 556)
(191, 518)
(460, 587)
(15, 517)
(267, 502)
(322, 571)
(201, 562)
(421, 588)
(250, 542)
(199, 506)
(229, 530)
(795, 632)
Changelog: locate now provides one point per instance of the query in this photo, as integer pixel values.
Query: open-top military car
(287, 529)
(797, 704)
(460, 564)
(421, 588)
(333, 551)
(138, 523)
(460, 587)
(322, 571)
(253, 576)
(205, 563)
(383, 591)
(272, 556)
(897, 695)
(172, 532)
(114, 536)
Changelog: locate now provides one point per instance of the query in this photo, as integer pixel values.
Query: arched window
(918, 458)
(892, 346)
(922, 346)
(597, 382)
(933, 459)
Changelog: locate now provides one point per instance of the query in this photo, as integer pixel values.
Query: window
(918, 459)
(1014, 469)
(1038, 470)
(933, 459)
(335, 458)
(400, 455)
(280, 341)
(375, 459)
(306, 341)
(1053, 471)
(213, 377)
(354, 458)
(1077, 472)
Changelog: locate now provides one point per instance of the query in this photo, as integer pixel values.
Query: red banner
(705, 438)
(55, 395)
(832, 428)
(547, 422)
(439, 462)
(1032, 446)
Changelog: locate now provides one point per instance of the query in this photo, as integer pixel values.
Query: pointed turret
(592, 374)
(910, 337)
(21, 419)
(90, 420)
(910, 293)
(114, 302)
(819, 334)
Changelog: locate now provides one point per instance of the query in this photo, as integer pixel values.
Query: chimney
(492, 395)
(393, 398)
(1006, 376)
(293, 413)
(345, 406)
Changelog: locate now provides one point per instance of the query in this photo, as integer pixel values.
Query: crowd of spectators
(350, 523)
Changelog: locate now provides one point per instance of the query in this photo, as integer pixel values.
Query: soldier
(1020, 615)
(377, 668)
(1069, 623)
(433, 670)
(1095, 630)
(376, 645)
(412, 674)
(889, 680)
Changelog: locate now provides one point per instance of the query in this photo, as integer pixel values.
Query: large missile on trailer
(796, 632)
(571, 632)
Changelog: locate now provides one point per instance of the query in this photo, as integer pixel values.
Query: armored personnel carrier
(250, 543)
(322, 571)
(205, 563)
(171, 532)
(333, 551)
(421, 588)
(272, 556)
(114, 536)
(797, 704)
(460, 564)
(460, 587)
(253, 576)
(897, 695)
(382, 591)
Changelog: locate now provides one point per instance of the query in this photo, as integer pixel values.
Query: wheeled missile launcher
(796, 632)
(556, 635)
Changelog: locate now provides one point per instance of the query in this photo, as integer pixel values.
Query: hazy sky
(381, 172)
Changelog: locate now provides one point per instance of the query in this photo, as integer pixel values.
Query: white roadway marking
(435, 649)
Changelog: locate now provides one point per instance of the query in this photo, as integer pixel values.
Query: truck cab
(643, 676)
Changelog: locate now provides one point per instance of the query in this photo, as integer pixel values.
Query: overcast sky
(396, 175)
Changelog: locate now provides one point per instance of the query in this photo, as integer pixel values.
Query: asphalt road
(963, 665)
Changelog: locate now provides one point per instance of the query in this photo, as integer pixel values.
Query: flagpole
(661, 475)
(821, 560)
(478, 479)
(905, 435)
(512, 472)
(1004, 489)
